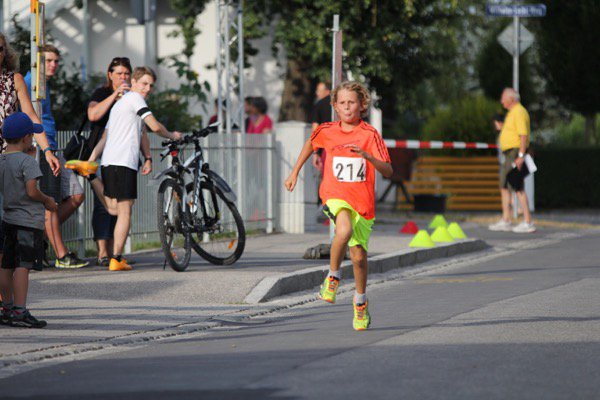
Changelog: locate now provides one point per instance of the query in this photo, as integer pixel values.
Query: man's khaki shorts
(510, 156)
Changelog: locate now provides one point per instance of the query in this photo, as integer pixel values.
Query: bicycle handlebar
(204, 132)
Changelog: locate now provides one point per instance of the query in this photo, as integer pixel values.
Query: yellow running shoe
(119, 265)
(329, 289)
(83, 168)
(362, 318)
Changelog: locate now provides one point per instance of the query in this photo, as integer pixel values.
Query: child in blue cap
(23, 219)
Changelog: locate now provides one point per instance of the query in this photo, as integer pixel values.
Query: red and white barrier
(418, 144)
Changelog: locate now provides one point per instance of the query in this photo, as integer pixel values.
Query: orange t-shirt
(346, 175)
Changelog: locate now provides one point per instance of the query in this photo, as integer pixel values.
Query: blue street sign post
(522, 11)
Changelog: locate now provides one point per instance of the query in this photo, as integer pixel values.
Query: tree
(570, 57)
(387, 44)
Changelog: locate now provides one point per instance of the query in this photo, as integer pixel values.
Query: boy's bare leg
(109, 203)
(343, 233)
(68, 206)
(21, 286)
(122, 226)
(358, 255)
(104, 247)
(6, 283)
(54, 234)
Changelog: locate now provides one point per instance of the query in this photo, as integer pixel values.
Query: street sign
(524, 11)
(506, 39)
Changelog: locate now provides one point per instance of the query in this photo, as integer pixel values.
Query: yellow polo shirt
(516, 124)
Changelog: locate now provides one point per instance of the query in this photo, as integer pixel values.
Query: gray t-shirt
(19, 209)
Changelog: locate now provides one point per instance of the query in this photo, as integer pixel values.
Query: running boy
(354, 150)
(23, 219)
(120, 149)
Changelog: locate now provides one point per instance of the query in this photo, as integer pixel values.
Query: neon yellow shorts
(361, 227)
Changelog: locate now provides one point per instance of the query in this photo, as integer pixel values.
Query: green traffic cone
(441, 235)
(456, 231)
(422, 239)
(437, 221)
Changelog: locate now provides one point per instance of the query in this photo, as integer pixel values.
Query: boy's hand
(50, 204)
(176, 135)
(290, 182)
(355, 149)
(147, 168)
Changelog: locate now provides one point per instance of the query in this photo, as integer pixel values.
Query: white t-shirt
(124, 131)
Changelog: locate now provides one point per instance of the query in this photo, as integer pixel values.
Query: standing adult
(13, 92)
(102, 101)
(321, 113)
(514, 141)
(260, 121)
(120, 149)
(66, 189)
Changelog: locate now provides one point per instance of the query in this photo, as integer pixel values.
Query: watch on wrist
(148, 159)
(521, 155)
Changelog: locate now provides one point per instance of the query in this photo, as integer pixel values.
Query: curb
(309, 278)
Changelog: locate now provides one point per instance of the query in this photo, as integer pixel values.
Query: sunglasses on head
(119, 60)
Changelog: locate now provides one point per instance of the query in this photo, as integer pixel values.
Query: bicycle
(196, 208)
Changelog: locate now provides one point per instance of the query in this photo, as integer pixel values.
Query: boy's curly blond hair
(363, 95)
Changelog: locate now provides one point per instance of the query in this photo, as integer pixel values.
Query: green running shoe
(329, 289)
(362, 318)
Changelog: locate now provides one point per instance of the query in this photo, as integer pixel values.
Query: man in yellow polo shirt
(514, 140)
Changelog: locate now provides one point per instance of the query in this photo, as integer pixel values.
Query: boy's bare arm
(35, 194)
(97, 152)
(160, 129)
(305, 153)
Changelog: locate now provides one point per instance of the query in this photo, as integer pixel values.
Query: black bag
(76, 146)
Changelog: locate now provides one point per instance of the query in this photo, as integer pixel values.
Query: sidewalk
(92, 309)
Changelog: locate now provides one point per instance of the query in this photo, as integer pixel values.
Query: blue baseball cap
(19, 125)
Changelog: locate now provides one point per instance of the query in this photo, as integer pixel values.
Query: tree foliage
(468, 119)
(570, 56)
(390, 45)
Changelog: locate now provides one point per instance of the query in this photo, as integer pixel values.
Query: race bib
(349, 169)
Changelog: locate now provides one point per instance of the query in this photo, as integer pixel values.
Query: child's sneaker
(362, 318)
(26, 320)
(83, 168)
(6, 315)
(329, 289)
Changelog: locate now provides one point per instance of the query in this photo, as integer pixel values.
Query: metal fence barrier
(244, 161)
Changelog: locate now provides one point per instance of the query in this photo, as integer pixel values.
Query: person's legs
(54, 234)
(343, 233)
(358, 255)
(122, 227)
(522, 196)
(68, 206)
(71, 192)
(20, 287)
(505, 193)
(6, 284)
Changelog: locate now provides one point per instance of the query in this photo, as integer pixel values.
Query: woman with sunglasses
(102, 101)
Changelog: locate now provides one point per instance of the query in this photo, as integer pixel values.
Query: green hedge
(567, 178)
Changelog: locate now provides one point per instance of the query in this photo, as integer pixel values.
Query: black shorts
(119, 182)
(22, 245)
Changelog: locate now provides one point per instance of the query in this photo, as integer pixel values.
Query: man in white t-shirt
(120, 149)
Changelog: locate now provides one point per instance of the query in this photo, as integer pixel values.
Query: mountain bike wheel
(222, 237)
(175, 240)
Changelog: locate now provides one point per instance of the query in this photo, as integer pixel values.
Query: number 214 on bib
(349, 169)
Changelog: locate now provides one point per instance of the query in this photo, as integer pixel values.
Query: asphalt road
(518, 322)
